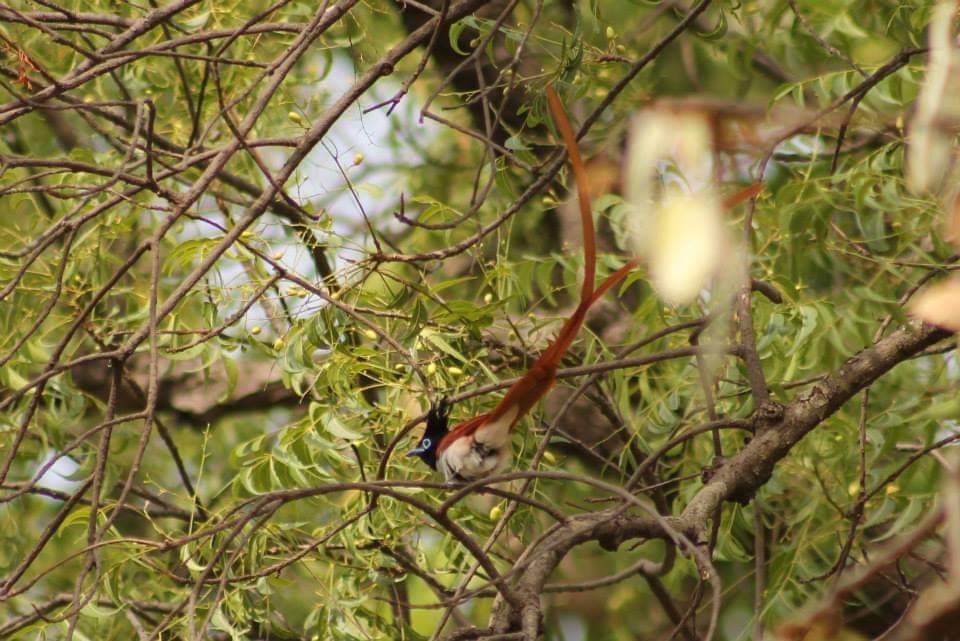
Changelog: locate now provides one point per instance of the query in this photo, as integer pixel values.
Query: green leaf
(336, 427)
(433, 338)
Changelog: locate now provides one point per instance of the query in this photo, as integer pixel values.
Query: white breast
(467, 459)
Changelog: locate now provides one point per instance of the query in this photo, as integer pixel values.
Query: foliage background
(231, 284)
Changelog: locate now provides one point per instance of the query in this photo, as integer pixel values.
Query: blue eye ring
(426, 443)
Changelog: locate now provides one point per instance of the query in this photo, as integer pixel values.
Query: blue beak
(417, 451)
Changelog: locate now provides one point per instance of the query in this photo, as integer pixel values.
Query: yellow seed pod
(892, 488)
(295, 117)
(432, 368)
(369, 333)
(255, 330)
(854, 488)
(278, 344)
(496, 512)
(611, 34)
(549, 457)
(358, 158)
(454, 371)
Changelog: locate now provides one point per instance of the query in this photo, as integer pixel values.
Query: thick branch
(740, 477)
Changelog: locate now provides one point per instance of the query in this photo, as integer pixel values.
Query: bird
(480, 446)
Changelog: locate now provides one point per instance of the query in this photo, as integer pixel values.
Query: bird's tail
(525, 393)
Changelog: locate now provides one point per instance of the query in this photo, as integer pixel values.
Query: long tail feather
(524, 394)
(565, 337)
(613, 279)
(583, 192)
(746, 193)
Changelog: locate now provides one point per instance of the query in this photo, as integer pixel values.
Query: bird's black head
(437, 417)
